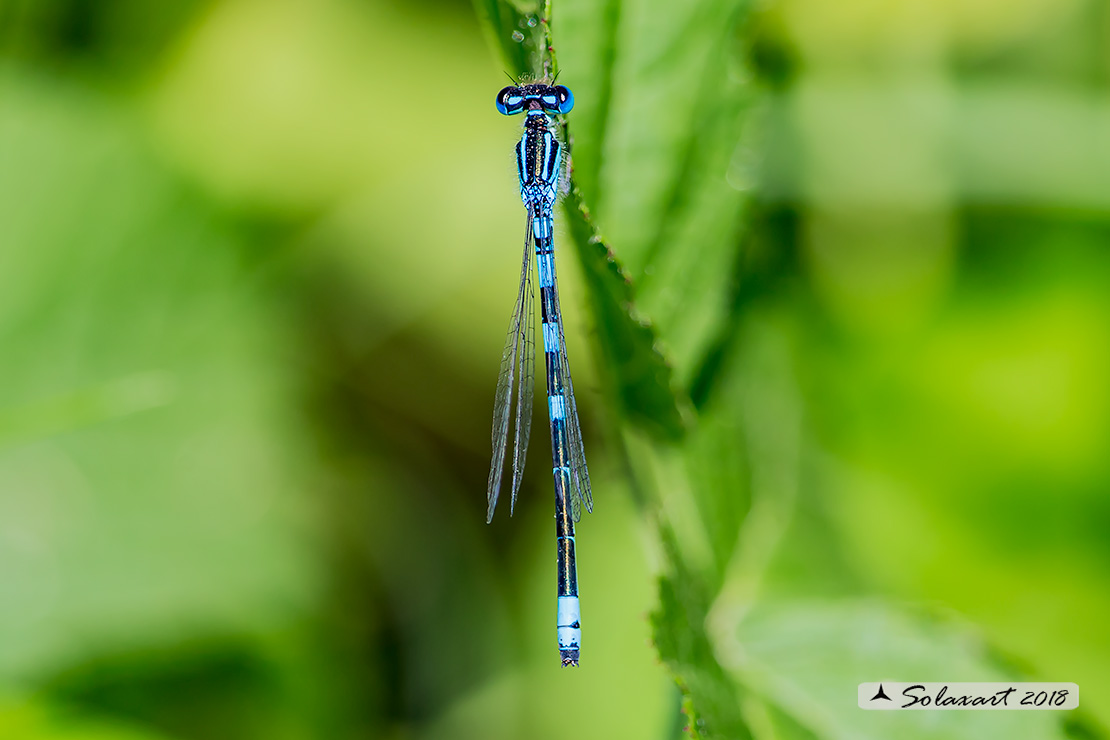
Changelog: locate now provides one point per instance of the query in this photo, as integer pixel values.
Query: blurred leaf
(971, 449)
(808, 657)
(146, 478)
(513, 29)
(295, 107)
(738, 467)
(32, 720)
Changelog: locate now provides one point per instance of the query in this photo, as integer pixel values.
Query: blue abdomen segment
(570, 630)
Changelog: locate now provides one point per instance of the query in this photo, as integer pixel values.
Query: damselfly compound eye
(566, 98)
(509, 100)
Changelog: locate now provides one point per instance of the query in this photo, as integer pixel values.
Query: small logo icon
(881, 695)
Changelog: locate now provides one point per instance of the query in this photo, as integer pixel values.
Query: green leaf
(666, 105)
(587, 39)
(710, 697)
(514, 30)
(808, 657)
(629, 354)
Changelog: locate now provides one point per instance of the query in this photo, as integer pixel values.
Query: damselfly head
(548, 98)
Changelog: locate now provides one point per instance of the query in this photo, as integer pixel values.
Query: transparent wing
(581, 495)
(526, 369)
(518, 361)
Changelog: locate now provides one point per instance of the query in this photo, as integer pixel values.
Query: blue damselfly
(541, 165)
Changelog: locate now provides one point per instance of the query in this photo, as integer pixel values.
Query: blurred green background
(847, 419)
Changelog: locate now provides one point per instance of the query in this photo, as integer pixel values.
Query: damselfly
(540, 164)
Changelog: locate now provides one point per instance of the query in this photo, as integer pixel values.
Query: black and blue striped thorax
(539, 161)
